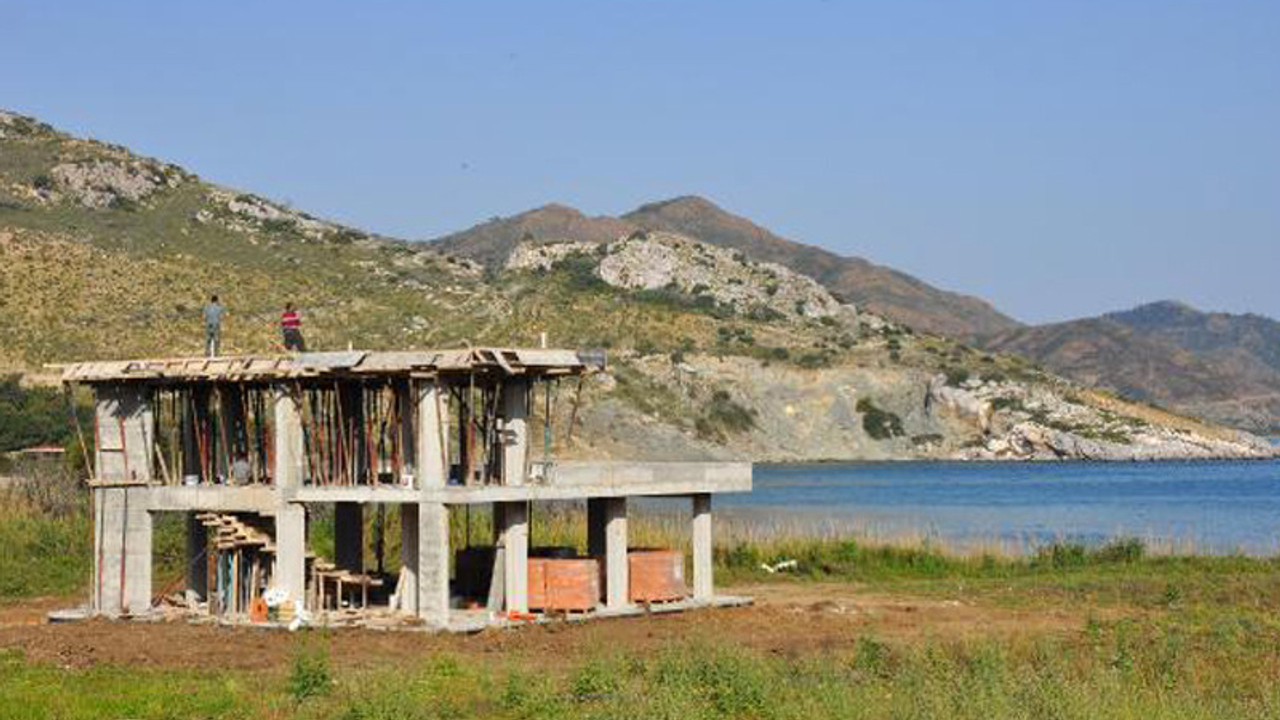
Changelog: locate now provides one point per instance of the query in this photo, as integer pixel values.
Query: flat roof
(348, 363)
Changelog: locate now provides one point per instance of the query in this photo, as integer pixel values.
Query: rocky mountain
(1221, 367)
(713, 352)
(890, 293)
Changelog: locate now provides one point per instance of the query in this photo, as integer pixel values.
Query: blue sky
(1057, 158)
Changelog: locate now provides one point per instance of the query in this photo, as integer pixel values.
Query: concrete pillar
(703, 586)
(515, 431)
(409, 554)
(617, 582)
(288, 442)
(433, 562)
(287, 475)
(291, 551)
(197, 562)
(430, 462)
(514, 544)
(348, 536)
(122, 551)
(125, 444)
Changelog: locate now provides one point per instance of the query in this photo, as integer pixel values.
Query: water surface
(1206, 506)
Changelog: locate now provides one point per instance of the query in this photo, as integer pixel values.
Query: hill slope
(1224, 368)
(105, 254)
(882, 290)
(887, 292)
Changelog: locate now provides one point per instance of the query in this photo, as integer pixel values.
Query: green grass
(1167, 636)
(1108, 670)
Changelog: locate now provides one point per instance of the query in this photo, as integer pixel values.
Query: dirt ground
(793, 619)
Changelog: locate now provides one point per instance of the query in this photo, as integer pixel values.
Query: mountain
(882, 290)
(492, 242)
(712, 353)
(1221, 367)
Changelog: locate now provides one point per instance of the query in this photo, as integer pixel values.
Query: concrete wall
(122, 551)
(123, 426)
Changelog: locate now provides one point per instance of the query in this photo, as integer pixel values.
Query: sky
(1059, 159)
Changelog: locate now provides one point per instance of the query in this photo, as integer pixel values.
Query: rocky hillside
(890, 293)
(714, 352)
(1224, 368)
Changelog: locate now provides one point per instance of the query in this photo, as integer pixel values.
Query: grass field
(859, 629)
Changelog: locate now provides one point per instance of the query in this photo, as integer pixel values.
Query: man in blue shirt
(213, 313)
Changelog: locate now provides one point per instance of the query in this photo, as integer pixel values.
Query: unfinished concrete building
(245, 448)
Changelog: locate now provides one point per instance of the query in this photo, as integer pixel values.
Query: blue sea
(1217, 507)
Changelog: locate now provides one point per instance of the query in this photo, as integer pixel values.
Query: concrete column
(122, 551)
(430, 462)
(288, 442)
(617, 581)
(514, 542)
(409, 552)
(433, 562)
(291, 551)
(197, 562)
(126, 446)
(703, 586)
(515, 431)
(348, 536)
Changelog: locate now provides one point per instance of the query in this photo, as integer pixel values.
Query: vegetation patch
(35, 416)
(879, 424)
(724, 417)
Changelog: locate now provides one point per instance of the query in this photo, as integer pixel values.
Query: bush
(1121, 550)
(879, 424)
(724, 417)
(956, 376)
(34, 416)
(579, 270)
(814, 360)
(310, 675)
(1062, 555)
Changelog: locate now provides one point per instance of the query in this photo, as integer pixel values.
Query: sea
(1217, 507)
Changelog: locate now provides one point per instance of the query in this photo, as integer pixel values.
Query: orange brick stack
(563, 584)
(656, 575)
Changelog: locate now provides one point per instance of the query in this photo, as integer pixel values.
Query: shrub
(579, 270)
(1121, 550)
(879, 424)
(279, 225)
(310, 675)
(956, 376)
(34, 416)
(814, 360)
(1062, 555)
(724, 417)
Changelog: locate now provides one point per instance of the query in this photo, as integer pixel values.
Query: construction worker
(213, 313)
(291, 328)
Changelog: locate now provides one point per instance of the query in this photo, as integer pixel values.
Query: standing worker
(213, 313)
(291, 327)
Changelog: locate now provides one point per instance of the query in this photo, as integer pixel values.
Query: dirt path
(791, 619)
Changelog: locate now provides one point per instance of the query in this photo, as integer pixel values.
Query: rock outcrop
(666, 261)
(840, 413)
(102, 184)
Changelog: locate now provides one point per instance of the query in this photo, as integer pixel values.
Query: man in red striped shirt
(291, 327)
